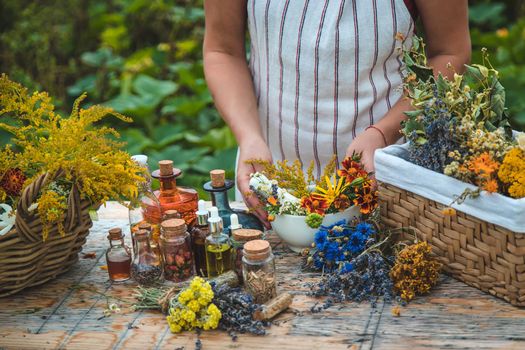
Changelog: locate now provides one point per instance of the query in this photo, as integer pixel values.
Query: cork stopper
(171, 214)
(141, 234)
(166, 167)
(218, 177)
(144, 226)
(257, 250)
(246, 234)
(115, 234)
(173, 227)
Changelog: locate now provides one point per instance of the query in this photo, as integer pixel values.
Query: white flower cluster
(265, 188)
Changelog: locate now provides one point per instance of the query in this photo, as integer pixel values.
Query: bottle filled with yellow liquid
(218, 246)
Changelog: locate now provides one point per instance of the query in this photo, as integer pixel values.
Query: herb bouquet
(298, 204)
(460, 179)
(53, 173)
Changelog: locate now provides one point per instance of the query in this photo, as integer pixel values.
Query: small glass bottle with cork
(198, 234)
(176, 250)
(118, 257)
(218, 247)
(146, 207)
(146, 268)
(258, 269)
(171, 196)
(239, 236)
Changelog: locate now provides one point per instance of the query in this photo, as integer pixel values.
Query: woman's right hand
(249, 150)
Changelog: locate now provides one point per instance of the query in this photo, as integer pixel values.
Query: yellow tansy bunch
(415, 271)
(512, 172)
(47, 142)
(192, 308)
(51, 208)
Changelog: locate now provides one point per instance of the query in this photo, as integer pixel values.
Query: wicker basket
(25, 260)
(483, 255)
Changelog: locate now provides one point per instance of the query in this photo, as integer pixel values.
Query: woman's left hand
(366, 143)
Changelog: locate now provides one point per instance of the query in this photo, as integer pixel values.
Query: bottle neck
(168, 185)
(142, 246)
(220, 200)
(114, 243)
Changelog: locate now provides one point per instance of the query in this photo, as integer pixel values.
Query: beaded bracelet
(380, 131)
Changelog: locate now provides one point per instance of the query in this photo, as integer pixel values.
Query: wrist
(249, 141)
(379, 133)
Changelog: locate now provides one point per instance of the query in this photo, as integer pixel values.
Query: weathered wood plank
(453, 316)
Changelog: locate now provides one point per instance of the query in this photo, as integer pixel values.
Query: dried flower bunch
(415, 271)
(193, 308)
(361, 263)
(285, 189)
(337, 245)
(43, 141)
(237, 309)
(459, 126)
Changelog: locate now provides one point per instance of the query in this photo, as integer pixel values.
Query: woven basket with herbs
(52, 173)
(459, 182)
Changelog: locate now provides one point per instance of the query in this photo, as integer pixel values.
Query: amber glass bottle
(118, 257)
(171, 196)
(198, 233)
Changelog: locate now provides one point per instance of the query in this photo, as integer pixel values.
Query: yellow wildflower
(512, 172)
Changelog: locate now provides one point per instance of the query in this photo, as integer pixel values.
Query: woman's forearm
(230, 83)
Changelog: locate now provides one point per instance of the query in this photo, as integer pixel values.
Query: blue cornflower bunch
(336, 245)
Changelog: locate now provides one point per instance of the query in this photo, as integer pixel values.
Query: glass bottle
(218, 188)
(218, 248)
(146, 268)
(258, 270)
(198, 234)
(176, 250)
(171, 196)
(146, 207)
(118, 257)
(239, 236)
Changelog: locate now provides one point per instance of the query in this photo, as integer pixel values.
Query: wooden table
(67, 314)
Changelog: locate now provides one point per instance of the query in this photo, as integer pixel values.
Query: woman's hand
(366, 143)
(252, 149)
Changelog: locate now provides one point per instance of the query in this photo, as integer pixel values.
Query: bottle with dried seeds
(146, 268)
(258, 269)
(198, 234)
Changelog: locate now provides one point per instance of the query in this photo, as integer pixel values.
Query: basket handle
(28, 225)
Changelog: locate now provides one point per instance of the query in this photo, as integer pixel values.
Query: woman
(323, 76)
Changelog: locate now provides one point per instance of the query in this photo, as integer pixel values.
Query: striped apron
(324, 70)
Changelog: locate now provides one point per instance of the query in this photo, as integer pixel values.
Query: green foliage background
(144, 58)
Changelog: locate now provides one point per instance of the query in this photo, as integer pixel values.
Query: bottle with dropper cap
(218, 246)
(198, 234)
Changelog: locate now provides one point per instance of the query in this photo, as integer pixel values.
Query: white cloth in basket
(392, 168)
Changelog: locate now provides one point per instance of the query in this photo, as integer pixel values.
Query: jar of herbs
(176, 251)
(258, 270)
(238, 239)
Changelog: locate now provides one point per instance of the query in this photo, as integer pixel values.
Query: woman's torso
(323, 71)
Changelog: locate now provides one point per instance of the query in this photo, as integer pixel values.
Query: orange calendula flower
(490, 186)
(448, 211)
(342, 202)
(484, 165)
(314, 204)
(272, 200)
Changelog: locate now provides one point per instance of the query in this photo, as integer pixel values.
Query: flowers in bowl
(284, 189)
